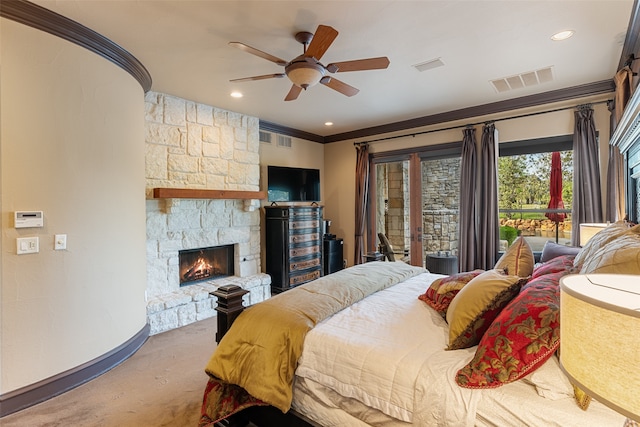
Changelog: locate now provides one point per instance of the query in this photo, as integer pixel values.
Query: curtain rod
(482, 123)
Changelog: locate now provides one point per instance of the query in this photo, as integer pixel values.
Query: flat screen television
(285, 184)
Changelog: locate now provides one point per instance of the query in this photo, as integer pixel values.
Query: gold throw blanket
(260, 352)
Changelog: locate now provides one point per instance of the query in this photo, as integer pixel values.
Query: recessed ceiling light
(236, 94)
(562, 35)
(328, 123)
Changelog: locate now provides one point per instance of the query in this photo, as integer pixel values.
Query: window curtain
(488, 231)
(615, 168)
(587, 196)
(362, 192)
(468, 172)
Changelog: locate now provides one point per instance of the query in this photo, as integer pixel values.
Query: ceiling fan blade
(321, 41)
(339, 86)
(359, 65)
(293, 93)
(265, 76)
(261, 54)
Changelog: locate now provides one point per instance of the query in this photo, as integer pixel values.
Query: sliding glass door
(392, 206)
(414, 202)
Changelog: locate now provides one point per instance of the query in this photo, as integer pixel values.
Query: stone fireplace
(195, 146)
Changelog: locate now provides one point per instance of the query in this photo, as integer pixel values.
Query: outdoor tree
(567, 177)
(524, 180)
(512, 180)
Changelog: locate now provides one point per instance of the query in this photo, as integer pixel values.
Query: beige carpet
(162, 384)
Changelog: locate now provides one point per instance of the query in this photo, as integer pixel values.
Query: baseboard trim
(46, 389)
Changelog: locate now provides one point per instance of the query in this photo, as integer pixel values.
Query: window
(524, 172)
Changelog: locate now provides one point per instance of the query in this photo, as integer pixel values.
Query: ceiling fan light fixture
(304, 74)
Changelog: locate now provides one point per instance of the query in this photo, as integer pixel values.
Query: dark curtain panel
(488, 231)
(468, 172)
(615, 168)
(362, 192)
(587, 196)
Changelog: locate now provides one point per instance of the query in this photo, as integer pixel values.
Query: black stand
(229, 307)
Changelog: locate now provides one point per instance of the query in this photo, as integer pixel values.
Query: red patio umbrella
(555, 191)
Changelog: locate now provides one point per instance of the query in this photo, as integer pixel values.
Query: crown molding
(574, 92)
(43, 19)
(287, 131)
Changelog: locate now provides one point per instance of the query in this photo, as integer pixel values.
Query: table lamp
(600, 338)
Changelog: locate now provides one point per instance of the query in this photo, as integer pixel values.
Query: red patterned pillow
(557, 264)
(549, 280)
(441, 291)
(523, 336)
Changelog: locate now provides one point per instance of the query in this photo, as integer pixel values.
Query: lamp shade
(600, 338)
(588, 230)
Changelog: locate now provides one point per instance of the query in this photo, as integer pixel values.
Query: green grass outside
(526, 215)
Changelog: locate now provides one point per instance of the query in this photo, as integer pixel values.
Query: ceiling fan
(306, 70)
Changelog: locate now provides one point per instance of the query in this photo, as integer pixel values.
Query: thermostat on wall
(28, 219)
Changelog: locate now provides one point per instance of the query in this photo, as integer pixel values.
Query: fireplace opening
(205, 263)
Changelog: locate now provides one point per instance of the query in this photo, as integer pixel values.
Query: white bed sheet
(367, 352)
(364, 363)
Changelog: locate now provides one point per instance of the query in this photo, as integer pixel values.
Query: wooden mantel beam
(191, 193)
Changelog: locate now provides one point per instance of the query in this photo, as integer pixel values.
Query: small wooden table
(373, 256)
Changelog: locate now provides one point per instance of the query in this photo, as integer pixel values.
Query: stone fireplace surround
(195, 146)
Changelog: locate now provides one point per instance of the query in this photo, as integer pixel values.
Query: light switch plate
(27, 245)
(60, 242)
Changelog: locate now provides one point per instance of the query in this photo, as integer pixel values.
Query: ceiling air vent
(530, 78)
(428, 65)
(265, 137)
(284, 141)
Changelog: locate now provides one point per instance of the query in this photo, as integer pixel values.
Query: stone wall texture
(441, 205)
(196, 146)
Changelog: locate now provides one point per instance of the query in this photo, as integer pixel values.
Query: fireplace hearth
(205, 263)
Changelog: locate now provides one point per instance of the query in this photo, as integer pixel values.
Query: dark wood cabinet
(293, 245)
(333, 252)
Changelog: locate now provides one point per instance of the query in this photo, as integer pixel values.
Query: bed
(372, 345)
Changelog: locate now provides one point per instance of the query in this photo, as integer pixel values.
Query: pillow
(619, 256)
(518, 260)
(441, 291)
(549, 280)
(552, 250)
(523, 336)
(476, 305)
(560, 263)
(600, 239)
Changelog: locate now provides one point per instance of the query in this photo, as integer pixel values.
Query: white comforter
(371, 353)
(386, 353)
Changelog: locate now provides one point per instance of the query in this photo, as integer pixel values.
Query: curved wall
(71, 145)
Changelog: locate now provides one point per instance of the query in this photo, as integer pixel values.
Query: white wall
(340, 157)
(71, 145)
(301, 154)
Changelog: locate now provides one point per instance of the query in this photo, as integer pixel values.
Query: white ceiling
(184, 46)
